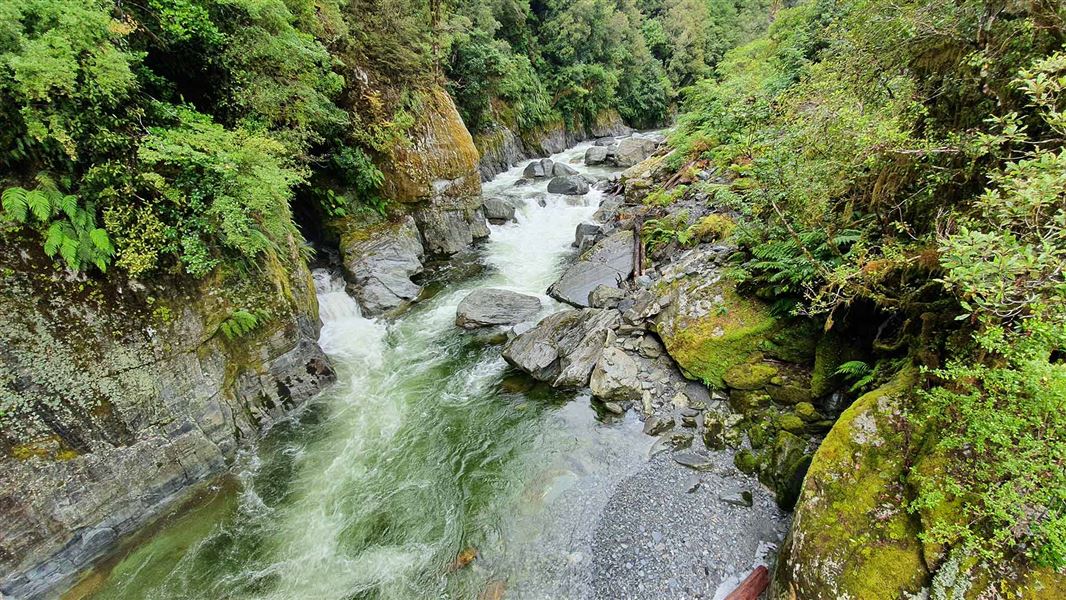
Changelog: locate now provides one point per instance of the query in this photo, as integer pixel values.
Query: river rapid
(427, 451)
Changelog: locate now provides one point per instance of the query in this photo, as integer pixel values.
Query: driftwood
(750, 588)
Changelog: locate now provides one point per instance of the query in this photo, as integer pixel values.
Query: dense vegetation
(904, 163)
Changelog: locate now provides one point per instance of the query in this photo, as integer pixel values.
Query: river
(428, 448)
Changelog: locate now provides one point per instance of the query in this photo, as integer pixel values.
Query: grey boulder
(633, 150)
(615, 376)
(562, 170)
(569, 185)
(499, 210)
(597, 155)
(539, 169)
(490, 306)
(608, 263)
(564, 347)
(379, 269)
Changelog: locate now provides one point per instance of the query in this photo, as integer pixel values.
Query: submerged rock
(609, 263)
(379, 265)
(569, 185)
(490, 306)
(564, 347)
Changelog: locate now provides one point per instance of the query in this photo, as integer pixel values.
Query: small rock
(742, 498)
(614, 408)
(654, 425)
(693, 461)
(693, 484)
(678, 440)
(498, 210)
(606, 296)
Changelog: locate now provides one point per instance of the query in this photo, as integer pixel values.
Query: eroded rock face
(379, 264)
(490, 306)
(564, 347)
(117, 405)
(609, 262)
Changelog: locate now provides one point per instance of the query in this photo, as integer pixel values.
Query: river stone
(654, 425)
(379, 268)
(633, 150)
(615, 376)
(609, 262)
(694, 461)
(597, 155)
(585, 235)
(499, 210)
(490, 306)
(538, 169)
(606, 296)
(569, 185)
(562, 170)
(564, 347)
(450, 225)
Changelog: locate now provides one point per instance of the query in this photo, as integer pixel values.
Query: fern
(14, 203)
(242, 322)
(69, 230)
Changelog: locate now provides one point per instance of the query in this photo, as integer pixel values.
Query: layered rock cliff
(116, 395)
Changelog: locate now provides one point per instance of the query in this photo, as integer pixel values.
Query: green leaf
(68, 205)
(14, 202)
(39, 204)
(101, 240)
(54, 239)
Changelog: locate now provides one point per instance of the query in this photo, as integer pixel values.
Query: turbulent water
(427, 448)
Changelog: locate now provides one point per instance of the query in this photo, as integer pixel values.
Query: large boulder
(597, 155)
(608, 263)
(564, 347)
(569, 185)
(379, 263)
(562, 170)
(491, 306)
(615, 376)
(633, 150)
(852, 536)
(539, 169)
(498, 210)
(450, 225)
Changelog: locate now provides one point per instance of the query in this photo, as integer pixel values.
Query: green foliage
(69, 228)
(242, 322)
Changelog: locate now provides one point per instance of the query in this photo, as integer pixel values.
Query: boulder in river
(491, 306)
(585, 235)
(569, 185)
(597, 155)
(633, 150)
(379, 267)
(564, 347)
(608, 263)
(539, 169)
(499, 210)
(562, 170)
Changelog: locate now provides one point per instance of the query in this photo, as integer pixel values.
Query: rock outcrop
(117, 396)
(378, 264)
(489, 307)
(609, 262)
(437, 175)
(564, 347)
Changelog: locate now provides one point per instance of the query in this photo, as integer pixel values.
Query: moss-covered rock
(784, 468)
(791, 423)
(851, 537)
(710, 328)
(749, 376)
(746, 461)
(832, 351)
(807, 412)
(748, 401)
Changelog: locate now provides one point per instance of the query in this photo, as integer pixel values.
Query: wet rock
(742, 498)
(597, 155)
(499, 211)
(693, 484)
(615, 376)
(608, 263)
(633, 150)
(379, 267)
(694, 461)
(563, 170)
(679, 440)
(564, 347)
(606, 296)
(586, 235)
(490, 306)
(569, 185)
(538, 169)
(522, 181)
(450, 225)
(714, 431)
(787, 464)
(614, 408)
(656, 425)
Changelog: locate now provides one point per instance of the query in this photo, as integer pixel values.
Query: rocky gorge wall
(117, 395)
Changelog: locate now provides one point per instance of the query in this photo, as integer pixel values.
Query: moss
(807, 412)
(748, 401)
(746, 461)
(791, 423)
(713, 227)
(749, 376)
(708, 345)
(794, 342)
(851, 536)
(789, 394)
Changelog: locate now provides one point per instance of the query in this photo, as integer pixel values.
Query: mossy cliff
(116, 395)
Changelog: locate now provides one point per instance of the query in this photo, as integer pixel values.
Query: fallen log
(750, 588)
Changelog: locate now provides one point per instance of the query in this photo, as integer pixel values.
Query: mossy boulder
(748, 401)
(832, 351)
(709, 329)
(851, 537)
(746, 461)
(784, 468)
(807, 412)
(791, 423)
(749, 376)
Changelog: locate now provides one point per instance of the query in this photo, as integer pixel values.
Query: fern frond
(68, 249)
(101, 241)
(67, 205)
(854, 368)
(14, 203)
(53, 238)
(39, 204)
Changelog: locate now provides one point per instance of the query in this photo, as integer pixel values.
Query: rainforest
(590, 299)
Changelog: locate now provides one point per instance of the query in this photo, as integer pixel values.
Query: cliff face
(117, 395)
